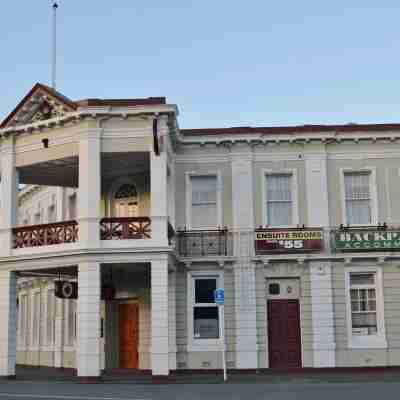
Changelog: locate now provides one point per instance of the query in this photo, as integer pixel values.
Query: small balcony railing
(196, 243)
(125, 228)
(45, 234)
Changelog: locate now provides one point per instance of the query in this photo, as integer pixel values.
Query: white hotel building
(300, 225)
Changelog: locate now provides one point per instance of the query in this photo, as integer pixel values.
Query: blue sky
(225, 63)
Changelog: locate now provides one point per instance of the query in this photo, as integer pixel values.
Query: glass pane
(358, 212)
(206, 325)
(355, 306)
(371, 294)
(361, 320)
(279, 187)
(371, 305)
(362, 279)
(204, 216)
(204, 290)
(357, 185)
(279, 214)
(354, 294)
(204, 189)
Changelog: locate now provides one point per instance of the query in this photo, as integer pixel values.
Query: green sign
(373, 240)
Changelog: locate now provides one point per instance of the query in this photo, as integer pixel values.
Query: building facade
(300, 226)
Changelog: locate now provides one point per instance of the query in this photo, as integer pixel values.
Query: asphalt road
(233, 391)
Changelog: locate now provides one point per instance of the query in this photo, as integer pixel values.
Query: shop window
(279, 199)
(358, 199)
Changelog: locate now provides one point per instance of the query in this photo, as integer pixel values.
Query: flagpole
(54, 55)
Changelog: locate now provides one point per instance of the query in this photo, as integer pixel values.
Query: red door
(284, 339)
(128, 335)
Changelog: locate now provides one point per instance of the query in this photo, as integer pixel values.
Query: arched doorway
(125, 202)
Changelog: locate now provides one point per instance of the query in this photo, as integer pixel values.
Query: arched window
(125, 201)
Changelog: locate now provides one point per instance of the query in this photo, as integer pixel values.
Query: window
(205, 311)
(279, 198)
(51, 214)
(363, 304)
(22, 310)
(365, 308)
(126, 201)
(71, 321)
(72, 207)
(35, 318)
(50, 315)
(204, 213)
(357, 187)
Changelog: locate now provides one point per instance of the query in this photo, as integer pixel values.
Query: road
(233, 391)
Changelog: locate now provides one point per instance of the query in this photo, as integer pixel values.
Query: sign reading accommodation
(371, 239)
(270, 241)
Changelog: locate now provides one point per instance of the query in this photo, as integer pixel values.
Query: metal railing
(197, 243)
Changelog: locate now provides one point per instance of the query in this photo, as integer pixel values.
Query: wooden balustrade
(45, 234)
(125, 228)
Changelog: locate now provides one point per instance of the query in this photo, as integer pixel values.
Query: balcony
(59, 233)
(203, 243)
(45, 235)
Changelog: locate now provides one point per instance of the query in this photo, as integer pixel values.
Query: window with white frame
(51, 214)
(35, 318)
(279, 199)
(363, 297)
(71, 322)
(23, 316)
(204, 207)
(358, 199)
(72, 207)
(50, 315)
(206, 324)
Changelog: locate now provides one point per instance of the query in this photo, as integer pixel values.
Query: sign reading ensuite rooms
(269, 241)
(367, 240)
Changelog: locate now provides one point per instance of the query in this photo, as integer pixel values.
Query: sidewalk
(43, 374)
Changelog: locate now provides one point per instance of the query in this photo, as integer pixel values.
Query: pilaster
(172, 319)
(88, 320)
(8, 318)
(322, 314)
(244, 271)
(159, 318)
(89, 194)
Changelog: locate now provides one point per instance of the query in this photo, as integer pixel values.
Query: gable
(41, 103)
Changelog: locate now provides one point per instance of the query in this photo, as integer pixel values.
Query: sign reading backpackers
(367, 240)
(270, 241)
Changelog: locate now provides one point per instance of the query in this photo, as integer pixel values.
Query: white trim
(295, 199)
(188, 192)
(22, 337)
(46, 345)
(202, 344)
(371, 341)
(373, 189)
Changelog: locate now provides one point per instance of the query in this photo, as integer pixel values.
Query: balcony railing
(196, 243)
(125, 228)
(46, 234)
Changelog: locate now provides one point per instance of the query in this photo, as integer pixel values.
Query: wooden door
(128, 335)
(284, 338)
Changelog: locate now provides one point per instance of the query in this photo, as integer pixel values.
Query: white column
(322, 314)
(60, 204)
(244, 271)
(159, 209)
(88, 338)
(159, 318)
(9, 193)
(89, 194)
(58, 334)
(172, 319)
(8, 318)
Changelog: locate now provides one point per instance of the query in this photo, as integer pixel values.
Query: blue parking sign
(219, 297)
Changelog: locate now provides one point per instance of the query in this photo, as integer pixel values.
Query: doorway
(284, 333)
(128, 335)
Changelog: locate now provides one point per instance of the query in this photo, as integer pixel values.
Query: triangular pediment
(41, 103)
